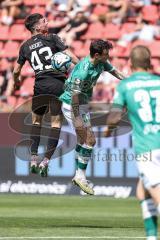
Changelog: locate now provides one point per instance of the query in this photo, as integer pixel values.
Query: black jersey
(38, 50)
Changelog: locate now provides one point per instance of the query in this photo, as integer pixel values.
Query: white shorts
(149, 168)
(84, 113)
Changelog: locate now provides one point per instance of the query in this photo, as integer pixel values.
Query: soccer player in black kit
(38, 51)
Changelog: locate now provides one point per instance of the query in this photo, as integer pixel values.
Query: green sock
(84, 156)
(149, 212)
(150, 225)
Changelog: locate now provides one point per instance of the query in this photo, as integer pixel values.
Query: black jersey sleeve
(21, 58)
(60, 45)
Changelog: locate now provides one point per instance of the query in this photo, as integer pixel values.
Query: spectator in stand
(117, 10)
(75, 28)
(6, 86)
(50, 5)
(11, 9)
(6, 80)
(140, 3)
(60, 20)
(156, 2)
(73, 4)
(135, 8)
(145, 31)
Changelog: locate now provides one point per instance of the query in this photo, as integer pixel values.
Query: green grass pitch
(69, 217)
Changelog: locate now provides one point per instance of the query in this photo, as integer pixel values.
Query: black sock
(52, 142)
(35, 137)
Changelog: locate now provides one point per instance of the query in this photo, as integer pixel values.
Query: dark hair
(140, 57)
(97, 46)
(31, 20)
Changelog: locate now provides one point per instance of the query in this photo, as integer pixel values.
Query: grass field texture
(69, 217)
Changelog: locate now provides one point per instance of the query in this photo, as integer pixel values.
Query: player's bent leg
(56, 122)
(35, 138)
(149, 211)
(84, 153)
(83, 156)
(149, 169)
(150, 218)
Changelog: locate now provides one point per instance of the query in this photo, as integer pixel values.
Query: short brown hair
(97, 46)
(140, 57)
(32, 20)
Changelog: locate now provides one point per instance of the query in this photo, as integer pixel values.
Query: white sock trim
(152, 238)
(148, 208)
(158, 208)
(81, 173)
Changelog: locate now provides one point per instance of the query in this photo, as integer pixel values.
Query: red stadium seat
(20, 101)
(4, 30)
(26, 89)
(17, 32)
(40, 10)
(141, 42)
(11, 49)
(84, 50)
(119, 51)
(99, 2)
(35, 2)
(27, 71)
(100, 10)
(154, 47)
(128, 28)
(95, 31)
(1, 48)
(77, 44)
(112, 31)
(150, 13)
(4, 64)
(19, 21)
(12, 101)
(156, 65)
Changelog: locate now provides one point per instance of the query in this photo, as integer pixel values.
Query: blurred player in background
(38, 51)
(77, 94)
(140, 94)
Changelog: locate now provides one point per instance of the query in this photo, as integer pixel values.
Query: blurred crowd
(124, 22)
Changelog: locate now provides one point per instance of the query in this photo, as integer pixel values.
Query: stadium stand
(134, 14)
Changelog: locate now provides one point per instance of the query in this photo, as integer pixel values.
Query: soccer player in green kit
(140, 95)
(78, 92)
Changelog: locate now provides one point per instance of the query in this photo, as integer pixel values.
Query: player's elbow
(16, 70)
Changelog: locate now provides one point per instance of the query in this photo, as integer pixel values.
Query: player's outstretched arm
(75, 60)
(16, 75)
(116, 73)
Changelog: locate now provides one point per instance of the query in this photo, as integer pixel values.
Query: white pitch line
(61, 237)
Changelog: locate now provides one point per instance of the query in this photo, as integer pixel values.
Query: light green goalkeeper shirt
(82, 80)
(140, 93)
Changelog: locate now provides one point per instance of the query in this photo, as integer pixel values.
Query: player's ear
(96, 55)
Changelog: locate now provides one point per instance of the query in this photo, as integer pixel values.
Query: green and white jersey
(82, 80)
(140, 93)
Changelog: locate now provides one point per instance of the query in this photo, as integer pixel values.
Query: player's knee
(141, 192)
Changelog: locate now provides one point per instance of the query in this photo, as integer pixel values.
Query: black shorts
(47, 90)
